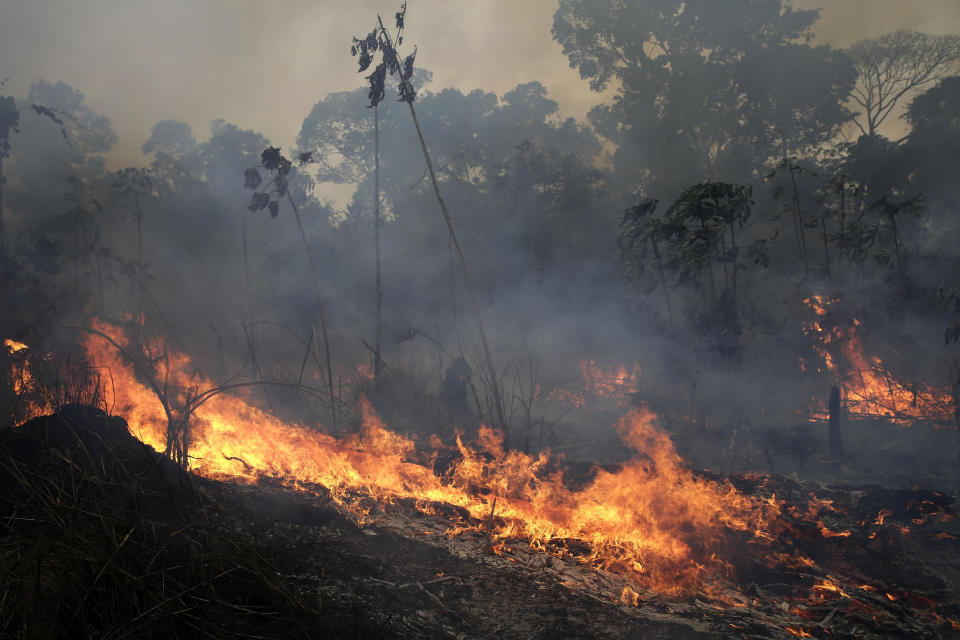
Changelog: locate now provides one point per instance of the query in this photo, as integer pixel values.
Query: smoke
(535, 197)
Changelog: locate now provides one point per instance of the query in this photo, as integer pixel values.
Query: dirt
(400, 571)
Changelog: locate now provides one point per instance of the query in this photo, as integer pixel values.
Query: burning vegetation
(645, 531)
(868, 388)
(720, 418)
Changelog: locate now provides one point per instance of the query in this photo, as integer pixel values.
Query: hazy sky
(263, 65)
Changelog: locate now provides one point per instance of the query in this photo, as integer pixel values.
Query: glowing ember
(13, 346)
(868, 388)
(629, 597)
(652, 520)
(827, 587)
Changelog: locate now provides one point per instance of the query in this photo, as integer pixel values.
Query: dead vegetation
(102, 537)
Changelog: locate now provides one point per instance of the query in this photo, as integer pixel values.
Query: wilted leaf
(408, 64)
(273, 160)
(251, 178)
(365, 60)
(258, 201)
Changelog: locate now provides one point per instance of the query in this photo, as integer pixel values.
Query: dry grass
(102, 538)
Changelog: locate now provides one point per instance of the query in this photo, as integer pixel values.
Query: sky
(262, 66)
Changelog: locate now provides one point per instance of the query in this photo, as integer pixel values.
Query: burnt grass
(101, 537)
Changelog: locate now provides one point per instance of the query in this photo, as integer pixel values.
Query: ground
(93, 520)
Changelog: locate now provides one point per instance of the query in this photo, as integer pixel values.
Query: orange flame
(616, 382)
(869, 389)
(13, 346)
(652, 520)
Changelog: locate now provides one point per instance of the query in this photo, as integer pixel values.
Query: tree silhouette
(894, 65)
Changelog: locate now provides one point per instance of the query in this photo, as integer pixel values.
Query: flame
(13, 346)
(617, 382)
(827, 586)
(22, 380)
(868, 387)
(610, 382)
(653, 520)
(629, 597)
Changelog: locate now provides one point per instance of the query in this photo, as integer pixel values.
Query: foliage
(695, 245)
(703, 88)
(893, 66)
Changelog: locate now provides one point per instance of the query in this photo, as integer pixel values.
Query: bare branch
(897, 64)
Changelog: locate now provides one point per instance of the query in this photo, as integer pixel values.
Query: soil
(397, 572)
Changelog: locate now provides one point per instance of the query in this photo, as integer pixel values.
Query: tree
(9, 119)
(44, 155)
(695, 244)
(934, 118)
(894, 65)
(700, 85)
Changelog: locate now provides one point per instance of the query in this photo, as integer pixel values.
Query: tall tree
(700, 86)
(895, 65)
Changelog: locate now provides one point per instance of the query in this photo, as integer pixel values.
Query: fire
(868, 387)
(13, 346)
(629, 597)
(653, 521)
(616, 382)
(21, 378)
(610, 382)
(827, 586)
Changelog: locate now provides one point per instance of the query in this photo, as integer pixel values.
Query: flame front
(652, 519)
(868, 387)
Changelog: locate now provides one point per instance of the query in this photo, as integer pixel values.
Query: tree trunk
(836, 441)
(376, 241)
(6, 387)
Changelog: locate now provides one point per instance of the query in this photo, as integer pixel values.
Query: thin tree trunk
(836, 440)
(376, 241)
(826, 246)
(798, 222)
(323, 321)
(6, 385)
(492, 370)
(3, 232)
(491, 367)
(663, 278)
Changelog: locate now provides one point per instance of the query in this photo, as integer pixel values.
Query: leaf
(365, 60)
(251, 178)
(258, 201)
(407, 92)
(377, 81)
(408, 64)
(273, 160)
